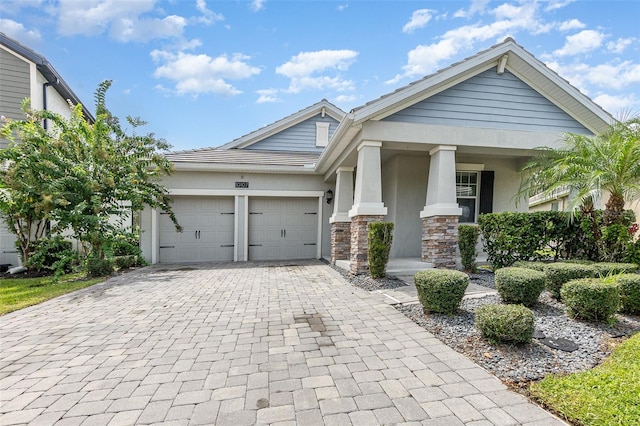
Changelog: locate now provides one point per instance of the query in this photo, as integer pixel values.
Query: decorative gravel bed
(367, 283)
(519, 364)
(515, 365)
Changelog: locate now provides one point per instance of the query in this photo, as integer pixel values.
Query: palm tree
(589, 165)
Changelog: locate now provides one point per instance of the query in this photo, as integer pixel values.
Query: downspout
(44, 99)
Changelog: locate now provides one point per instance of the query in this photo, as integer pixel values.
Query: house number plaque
(242, 184)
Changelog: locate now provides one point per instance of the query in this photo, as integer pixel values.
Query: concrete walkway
(238, 344)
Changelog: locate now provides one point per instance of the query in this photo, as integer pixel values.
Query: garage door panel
(208, 230)
(282, 228)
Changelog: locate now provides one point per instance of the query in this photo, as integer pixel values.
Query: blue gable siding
(300, 137)
(491, 101)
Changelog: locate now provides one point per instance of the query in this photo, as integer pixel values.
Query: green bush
(467, 241)
(505, 323)
(604, 269)
(97, 267)
(519, 285)
(591, 299)
(629, 293)
(557, 274)
(633, 253)
(536, 266)
(441, 290)
(380, 236)
(53, 254)
(128, 261)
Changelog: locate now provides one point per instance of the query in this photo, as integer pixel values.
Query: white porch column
(367, 198)
(441, 211)
(343, 199)
(441, 188)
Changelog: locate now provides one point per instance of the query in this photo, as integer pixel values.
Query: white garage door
(207, 236)
(283, 228)
(8, 251)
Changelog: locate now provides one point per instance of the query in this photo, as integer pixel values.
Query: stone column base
(359, 244)
(439, 240)
(340, 241)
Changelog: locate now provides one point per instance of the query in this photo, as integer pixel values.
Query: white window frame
(474, 197)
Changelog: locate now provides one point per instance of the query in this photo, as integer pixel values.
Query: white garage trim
(155, 237)
(319, 243)
(246, 228)
(247, 192)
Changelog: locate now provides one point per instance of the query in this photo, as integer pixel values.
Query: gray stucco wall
(491, 101)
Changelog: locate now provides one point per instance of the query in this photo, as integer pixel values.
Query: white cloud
(557, 4)
(477, 6)
(208, 16)
(419, 19)
(611, 76)
(582, 42)
(196, 74)
(93, 17)
(303, 70)
(346, 98)
(617, 105)
(267, 96)
(573, 24)
(342, 7)
(620, 45)
(257, 5)
(425, 59)
(147, 29)
(16, 30)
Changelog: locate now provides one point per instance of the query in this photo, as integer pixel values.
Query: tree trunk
(614, 210)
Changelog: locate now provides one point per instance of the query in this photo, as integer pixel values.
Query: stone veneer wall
(359, 244)
(340, 241)
(439, 240)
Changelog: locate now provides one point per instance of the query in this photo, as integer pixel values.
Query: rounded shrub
(591, 299)
(97, 267)
(610, 268)
(557, 274)
(519, 285)
(505, 323)
(629, 285)
(536, 266)
(440, 290)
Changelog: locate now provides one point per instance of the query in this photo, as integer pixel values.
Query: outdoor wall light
(329, 196)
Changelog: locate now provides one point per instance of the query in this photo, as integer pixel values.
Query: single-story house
(27, 74)
(428, 156)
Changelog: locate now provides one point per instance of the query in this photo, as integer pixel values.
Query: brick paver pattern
(238, 344)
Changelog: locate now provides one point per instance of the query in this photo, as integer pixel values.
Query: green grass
(606, 395)
(18, 293)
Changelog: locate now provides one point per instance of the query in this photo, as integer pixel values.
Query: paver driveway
(238, 344)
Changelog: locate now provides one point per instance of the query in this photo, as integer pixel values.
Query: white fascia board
(242, 192)
(247, 168)
(341, 138)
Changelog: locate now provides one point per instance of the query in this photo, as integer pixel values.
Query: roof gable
(490, 100)
(507, 56)
(322, 108)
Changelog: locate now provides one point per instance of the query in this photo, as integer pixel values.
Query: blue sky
(204, 72)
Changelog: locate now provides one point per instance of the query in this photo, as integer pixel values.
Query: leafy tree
(589, 165)
(84, 174)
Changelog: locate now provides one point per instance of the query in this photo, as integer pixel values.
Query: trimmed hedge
(505, 323)
(536, 266)
(629, 293)
(97, 267)
(591, 299)
(467, 241)
(557, 274)
(379, 238)
(519, 285)
(609, 268)
(441, 290)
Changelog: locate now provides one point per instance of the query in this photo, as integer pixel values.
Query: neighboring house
(26, 74)
(426, 157)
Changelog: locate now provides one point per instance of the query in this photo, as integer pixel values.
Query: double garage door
(278, 229)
